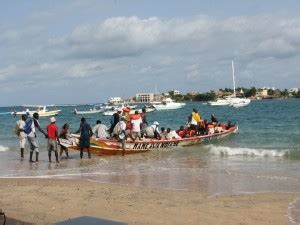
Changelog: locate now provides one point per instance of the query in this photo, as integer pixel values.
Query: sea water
(263, 156)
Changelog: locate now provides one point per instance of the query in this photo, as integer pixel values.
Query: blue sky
(84, 51)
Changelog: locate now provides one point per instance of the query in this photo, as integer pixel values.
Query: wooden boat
(113, 147)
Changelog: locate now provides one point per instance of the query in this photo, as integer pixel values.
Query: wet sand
(46, 201)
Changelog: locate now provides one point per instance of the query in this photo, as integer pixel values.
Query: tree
(250, 92)
(271, 92)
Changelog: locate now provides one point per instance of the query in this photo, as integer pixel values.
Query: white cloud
(189, 53)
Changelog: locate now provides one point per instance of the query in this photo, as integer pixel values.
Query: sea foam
(3, 148)
(228, 151)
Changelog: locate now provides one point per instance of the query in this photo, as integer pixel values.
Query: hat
(52, 119)
(156, 123)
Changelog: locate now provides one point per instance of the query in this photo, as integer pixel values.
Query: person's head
(181, 127)
(83, 120)
(195, 110)
(119, 111)
(143, 110)
(156, 123)
(24, 117)
(98, 122)
(52, 120)
(36, 115)
(168, 130)
(66, 126)
(162, 129)
(123, 118)
(136, 112)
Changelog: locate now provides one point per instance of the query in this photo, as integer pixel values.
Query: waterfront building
(116, 100)
(144, 97)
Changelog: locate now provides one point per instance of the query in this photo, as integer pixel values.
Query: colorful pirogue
(113, 147)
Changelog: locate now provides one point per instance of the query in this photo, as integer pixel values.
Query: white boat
(167, 104)
(40, 109)
(231, 100)
(95, 109)
(132, 111)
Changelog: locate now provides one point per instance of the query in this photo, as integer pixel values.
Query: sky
(85, 51)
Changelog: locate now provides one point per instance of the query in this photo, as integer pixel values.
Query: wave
(228, 151)
(3, 148)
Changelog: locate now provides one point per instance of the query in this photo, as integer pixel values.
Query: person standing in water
(52, 138)
(64, 133)
(86, 132)
(30, 129)
(19, 130)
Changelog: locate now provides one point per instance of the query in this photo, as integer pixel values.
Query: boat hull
(113, 147)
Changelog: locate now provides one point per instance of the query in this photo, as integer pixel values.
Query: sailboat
(231, 100)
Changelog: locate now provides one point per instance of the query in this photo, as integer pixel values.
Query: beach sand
(46, 201)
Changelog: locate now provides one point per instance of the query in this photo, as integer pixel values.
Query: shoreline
(46, 201)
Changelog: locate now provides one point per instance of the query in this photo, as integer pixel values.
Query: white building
(293, 90)
(176, 92)
(144, 97)
(116, 100)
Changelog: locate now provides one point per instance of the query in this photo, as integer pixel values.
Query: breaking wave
(252, 152)
(3, 148)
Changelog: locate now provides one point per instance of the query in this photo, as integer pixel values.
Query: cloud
(183, 53)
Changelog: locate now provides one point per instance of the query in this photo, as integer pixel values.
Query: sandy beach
(46, 201)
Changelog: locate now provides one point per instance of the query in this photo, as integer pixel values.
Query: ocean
(263, 156)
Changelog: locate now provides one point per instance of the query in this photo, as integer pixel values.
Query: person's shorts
(34, 146)
(84, 143)
(52, 145)
(135, 135)
(22, 141)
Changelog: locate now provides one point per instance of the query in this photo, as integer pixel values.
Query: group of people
(26, 129)
(123, 126)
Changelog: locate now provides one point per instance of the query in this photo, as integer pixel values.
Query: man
(114, 120)
(144, 119)
(195, 121)
(171, 134)
(136, 125)
(119, 132)
(19, 130)
(86, 132)
(152, 131)
(95, 128)
(30, 129)
(52, 138)
(102, 131)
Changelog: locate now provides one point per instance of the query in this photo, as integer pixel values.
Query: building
(176, 92)
(116, 100)
(293, 90)
(144, 97)
(262, 92)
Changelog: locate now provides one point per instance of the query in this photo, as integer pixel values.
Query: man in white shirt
(102, 131)
(119, 132)
(95, 128)
(19, 130)
(171, 134)
(136, 122)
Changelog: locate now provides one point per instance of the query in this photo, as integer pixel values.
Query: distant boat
(168, 104)
(231, 100)
(132, 111)
(94, 110)
(40, 109)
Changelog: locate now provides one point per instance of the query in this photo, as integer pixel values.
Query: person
(144, 121)
(95, 128)
(114, 120)
(30, 128)
(136, 125)
(214, 119)
(64, 133)
(19, 130)
(163, 133)
(195, 121)
(52, 138)
(152, 130)
(86, 132)
(102, 131)
(119, 132)
(182, 132)
(172, 134)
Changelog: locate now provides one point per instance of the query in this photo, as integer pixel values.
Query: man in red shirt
(52, 138)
